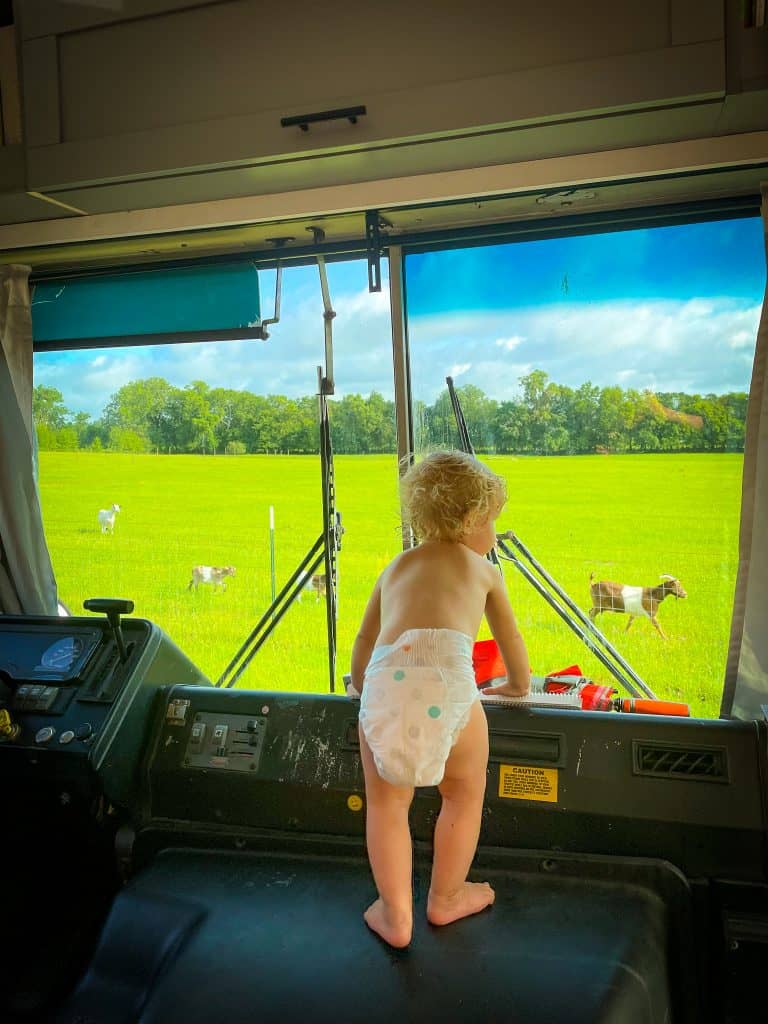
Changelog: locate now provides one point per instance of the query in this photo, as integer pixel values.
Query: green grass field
(627, 518)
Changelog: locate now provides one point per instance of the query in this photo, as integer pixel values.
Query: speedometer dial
(63, 653)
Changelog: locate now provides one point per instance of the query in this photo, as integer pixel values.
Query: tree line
(152, 415)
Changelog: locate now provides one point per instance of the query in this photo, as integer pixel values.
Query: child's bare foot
(471, 898)
(394, 928)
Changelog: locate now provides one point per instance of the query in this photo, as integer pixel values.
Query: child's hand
(506, 689)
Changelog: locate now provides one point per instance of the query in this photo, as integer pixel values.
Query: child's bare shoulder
(484, 569)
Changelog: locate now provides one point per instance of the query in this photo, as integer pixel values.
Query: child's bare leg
(451, 896)
(390, 852)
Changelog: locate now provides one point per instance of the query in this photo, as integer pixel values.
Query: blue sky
(682, 262)
(668, 309)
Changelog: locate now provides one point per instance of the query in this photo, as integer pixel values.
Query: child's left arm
(501, 619)
(366, 638)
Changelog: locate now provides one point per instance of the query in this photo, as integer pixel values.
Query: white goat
(107, 519)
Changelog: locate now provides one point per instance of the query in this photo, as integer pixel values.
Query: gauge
(63, 653)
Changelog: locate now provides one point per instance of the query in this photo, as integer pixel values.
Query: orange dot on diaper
(399, 674)
(434, 711)
(406, 647)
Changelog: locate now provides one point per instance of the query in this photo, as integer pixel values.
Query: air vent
(662, 760)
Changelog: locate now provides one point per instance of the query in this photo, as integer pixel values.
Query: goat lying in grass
(617, 597)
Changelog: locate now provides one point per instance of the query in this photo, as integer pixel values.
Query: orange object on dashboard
(652, 707)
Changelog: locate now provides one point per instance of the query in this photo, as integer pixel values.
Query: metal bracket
(373, 239)
(278, 243)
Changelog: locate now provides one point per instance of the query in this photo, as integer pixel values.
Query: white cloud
(364, 303)
(742, 339)
(510, 343)
(459, 369)
(702, 345)
(699, 307)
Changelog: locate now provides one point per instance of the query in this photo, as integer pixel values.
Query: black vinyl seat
(204, 936)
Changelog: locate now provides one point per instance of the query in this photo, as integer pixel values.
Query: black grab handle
(305, 120)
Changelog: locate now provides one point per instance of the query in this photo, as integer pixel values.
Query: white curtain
(27, 585)
(746, 675)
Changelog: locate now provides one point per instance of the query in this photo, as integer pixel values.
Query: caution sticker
(523, 782)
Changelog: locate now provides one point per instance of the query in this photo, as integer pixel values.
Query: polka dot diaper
(412, 713)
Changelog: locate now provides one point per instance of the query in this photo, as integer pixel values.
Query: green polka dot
(399, 674)
(434, 711)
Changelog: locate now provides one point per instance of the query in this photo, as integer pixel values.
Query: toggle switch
(197, 737)
(220, 734)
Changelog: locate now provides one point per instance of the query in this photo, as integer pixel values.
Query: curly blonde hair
(448, 494)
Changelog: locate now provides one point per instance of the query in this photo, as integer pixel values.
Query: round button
(83, 731)
(66, 737)
(45, 735)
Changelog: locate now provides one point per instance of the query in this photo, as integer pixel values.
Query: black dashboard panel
(79, 710)
(226, 764)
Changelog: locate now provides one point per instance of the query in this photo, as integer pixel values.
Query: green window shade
(202, 303)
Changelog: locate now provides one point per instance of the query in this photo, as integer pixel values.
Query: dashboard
(77, 704)
(145, 727)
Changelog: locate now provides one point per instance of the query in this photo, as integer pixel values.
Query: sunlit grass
(627, 518)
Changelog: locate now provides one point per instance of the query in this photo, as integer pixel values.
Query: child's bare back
(439, 584)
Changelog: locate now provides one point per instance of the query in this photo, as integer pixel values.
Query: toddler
(421, 721)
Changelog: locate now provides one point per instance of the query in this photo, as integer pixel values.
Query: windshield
(605, 376)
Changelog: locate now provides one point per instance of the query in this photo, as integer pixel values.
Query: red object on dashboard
(487, 661)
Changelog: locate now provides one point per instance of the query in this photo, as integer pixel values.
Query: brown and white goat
(213, 574)
(617, 597)
(314, 583)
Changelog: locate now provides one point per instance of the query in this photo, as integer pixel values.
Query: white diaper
(417, 697)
